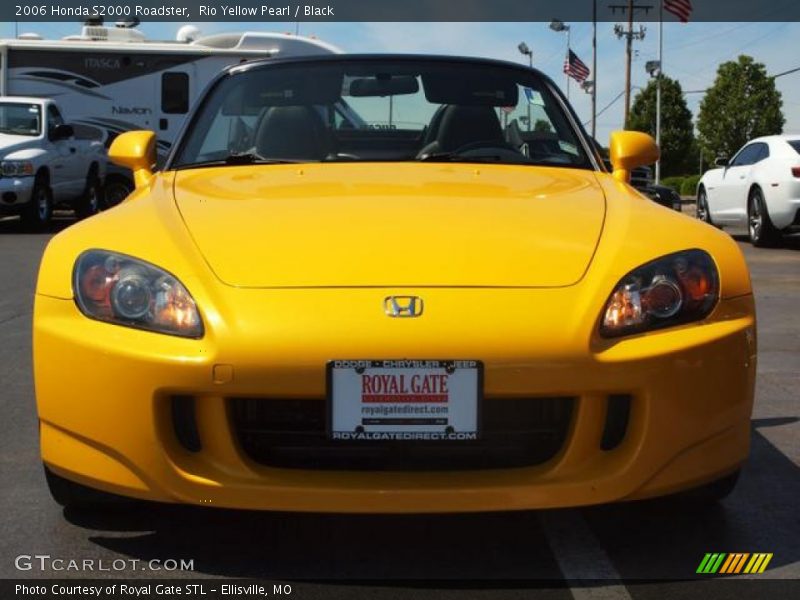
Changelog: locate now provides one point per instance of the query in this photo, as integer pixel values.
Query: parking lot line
(581, 557)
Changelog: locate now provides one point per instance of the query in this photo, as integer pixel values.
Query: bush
(674, 182)
(689, 185)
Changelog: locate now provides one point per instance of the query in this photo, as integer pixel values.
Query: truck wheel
(38, 212)
(89, 202)
(117, 188)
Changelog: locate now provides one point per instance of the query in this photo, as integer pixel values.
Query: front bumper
(104, 391)
(15, 193)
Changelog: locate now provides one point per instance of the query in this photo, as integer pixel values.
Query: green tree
(677, 132)
(742, 104)
(542, 126)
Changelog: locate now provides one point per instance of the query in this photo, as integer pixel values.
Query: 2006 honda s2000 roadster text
(390, 284)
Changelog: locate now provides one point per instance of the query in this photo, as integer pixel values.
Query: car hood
(393, 225)
(11, 143)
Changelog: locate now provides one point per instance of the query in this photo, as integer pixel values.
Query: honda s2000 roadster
(390, 284)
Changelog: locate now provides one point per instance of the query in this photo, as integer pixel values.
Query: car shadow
(60, 221)
(662, 539)
(787, 242)
(667, 538)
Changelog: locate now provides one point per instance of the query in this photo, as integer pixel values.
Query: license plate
(404, 400)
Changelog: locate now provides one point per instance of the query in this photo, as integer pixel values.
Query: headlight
(678, 288)
(120, 289)
(16, 168)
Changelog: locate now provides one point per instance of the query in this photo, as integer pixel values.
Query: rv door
(3, 70)
(175, 92)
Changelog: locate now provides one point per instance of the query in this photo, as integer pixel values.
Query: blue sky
(692, 52)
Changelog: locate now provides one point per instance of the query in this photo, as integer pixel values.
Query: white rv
(111, 79)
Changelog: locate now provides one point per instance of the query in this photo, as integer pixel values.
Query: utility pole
(658, 85)
(628, 57)
(630, 35)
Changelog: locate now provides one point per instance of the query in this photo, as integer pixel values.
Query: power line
(785, 73)
(781, 74)
(609, 105)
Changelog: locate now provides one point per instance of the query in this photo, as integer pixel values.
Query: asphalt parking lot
(654, 546)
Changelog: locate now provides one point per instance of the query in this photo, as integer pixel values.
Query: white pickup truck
(44, 164)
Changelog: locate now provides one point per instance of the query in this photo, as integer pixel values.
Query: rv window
(174, 93)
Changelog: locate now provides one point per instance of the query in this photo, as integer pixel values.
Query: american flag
(680, 8)
(575, 67)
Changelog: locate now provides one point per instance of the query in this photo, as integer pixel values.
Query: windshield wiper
(458, 157)
(243, 158)
(252, 158)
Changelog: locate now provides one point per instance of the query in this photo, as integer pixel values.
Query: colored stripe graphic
(727, 564)
(716, 565)
(741, 562)
(734, 563)
(711, 562)
(759, 562)
(703, 563)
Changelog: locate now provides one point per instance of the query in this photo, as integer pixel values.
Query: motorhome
(112, 79)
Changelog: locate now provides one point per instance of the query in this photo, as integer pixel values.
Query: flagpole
(658, 83)
(568, 61)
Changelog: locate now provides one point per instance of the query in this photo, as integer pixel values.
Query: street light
(559, 26)
(526, 51)
(653, 68)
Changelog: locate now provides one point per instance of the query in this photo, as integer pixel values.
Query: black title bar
(391, 10)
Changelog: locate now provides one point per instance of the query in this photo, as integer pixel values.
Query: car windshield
(368, 110)
(20, 119)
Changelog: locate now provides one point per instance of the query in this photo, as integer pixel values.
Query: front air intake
(618, 411)
(184, 423)
(291, 433)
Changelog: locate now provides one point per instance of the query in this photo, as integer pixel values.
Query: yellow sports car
(390, 284)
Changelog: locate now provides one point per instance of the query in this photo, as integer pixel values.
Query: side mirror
(61, 132)
(721, 161)
(135, 150)
(631, 149)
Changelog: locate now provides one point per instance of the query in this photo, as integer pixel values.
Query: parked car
(44, 164)
(664, 195)
(414, 315)
(642, 181)
(759, 188)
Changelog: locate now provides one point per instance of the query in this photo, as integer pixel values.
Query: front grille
(291, 433)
